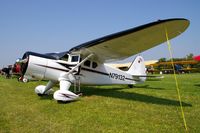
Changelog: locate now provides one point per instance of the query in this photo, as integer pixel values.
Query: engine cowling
(36, 67)
(34, 64)
(41, 66)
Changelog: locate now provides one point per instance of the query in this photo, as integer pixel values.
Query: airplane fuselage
(89, 73)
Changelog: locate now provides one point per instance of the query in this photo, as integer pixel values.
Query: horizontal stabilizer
(149, 76)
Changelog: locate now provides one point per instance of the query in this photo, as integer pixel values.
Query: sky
(45, 26)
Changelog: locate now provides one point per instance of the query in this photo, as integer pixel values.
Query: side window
(87, 63)
(65, 57)
(94, 65)
(75, 58)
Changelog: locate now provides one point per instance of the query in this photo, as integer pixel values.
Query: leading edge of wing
(122, 33)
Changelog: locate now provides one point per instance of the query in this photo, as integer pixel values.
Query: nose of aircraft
(23, 63)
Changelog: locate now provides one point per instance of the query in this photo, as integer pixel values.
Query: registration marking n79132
(117, 76)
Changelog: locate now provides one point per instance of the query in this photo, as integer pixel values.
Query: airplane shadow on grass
(50, 97)
(115, 93)
(148, 87)
(198, 85)
(46, 97)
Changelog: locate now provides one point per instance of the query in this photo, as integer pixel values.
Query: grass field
(149, 107)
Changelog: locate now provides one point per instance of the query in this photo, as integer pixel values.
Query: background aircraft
(197, 58)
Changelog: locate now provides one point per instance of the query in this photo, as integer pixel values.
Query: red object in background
(197, 58)
(17, 68)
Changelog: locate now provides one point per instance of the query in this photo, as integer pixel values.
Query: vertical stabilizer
(137, 67)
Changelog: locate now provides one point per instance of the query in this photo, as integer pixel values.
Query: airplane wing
(132, 41)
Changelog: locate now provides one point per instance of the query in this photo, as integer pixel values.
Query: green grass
(149, 107)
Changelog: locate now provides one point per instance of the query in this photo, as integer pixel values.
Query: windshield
(65, 57)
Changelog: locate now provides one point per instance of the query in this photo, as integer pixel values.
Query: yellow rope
(177, 86)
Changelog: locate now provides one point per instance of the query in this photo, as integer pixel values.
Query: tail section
(137, 67)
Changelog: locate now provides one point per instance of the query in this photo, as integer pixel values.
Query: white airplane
(86, 63)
